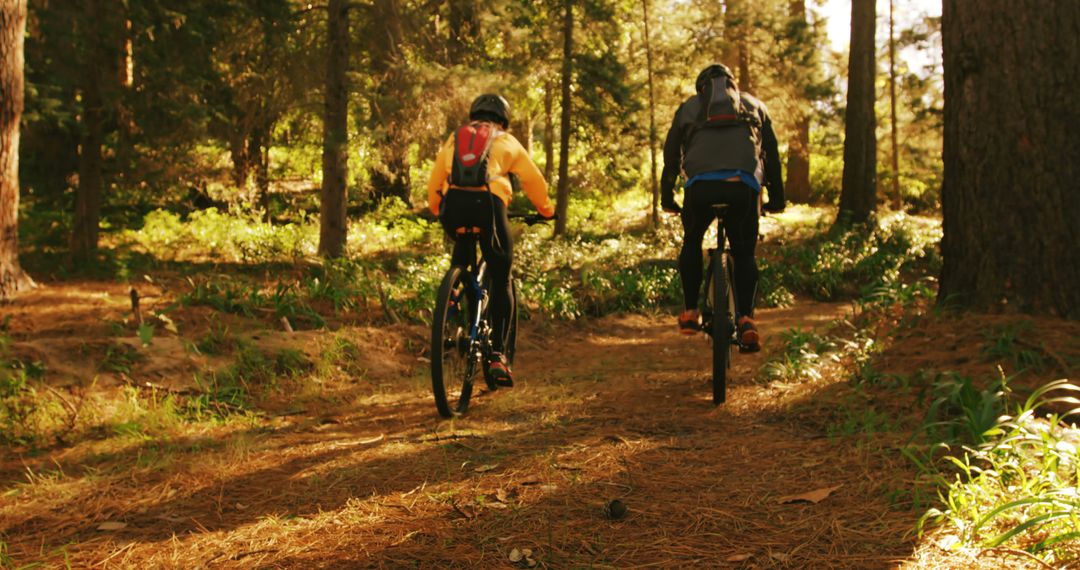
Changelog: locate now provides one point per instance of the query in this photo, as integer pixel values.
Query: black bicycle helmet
(714, 70)
(490, 107)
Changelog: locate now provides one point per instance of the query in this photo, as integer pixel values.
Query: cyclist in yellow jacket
(477, 212)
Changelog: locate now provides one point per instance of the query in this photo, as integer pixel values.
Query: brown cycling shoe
(689, 323)
(749, 339)
(499, 371)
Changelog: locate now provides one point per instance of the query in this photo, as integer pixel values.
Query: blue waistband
(746, 178)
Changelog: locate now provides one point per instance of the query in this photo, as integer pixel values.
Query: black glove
(670, 206)
(774, 207)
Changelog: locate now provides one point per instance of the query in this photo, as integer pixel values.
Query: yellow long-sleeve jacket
(506, 156)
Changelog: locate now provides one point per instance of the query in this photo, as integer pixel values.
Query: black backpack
(722, 107)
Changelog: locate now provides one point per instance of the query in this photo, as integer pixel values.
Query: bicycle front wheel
(721, 327)
(453, 366)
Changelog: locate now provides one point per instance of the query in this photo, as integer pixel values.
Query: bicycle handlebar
(531, 219)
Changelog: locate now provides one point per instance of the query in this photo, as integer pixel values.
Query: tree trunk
(797, 190)
(241, 163)
(84, 235)
(858, 195)
(1009, 201)
(524, 131)
(390, 171)
(332, 204)
(549, 130)
(101, 34)
(13, 279)
(736, 42)
(563, 195)
(897, 200)
(260, 151)
(652, 117)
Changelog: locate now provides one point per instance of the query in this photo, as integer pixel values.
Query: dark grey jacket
(709, 150)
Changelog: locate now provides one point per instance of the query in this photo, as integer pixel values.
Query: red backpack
(472, 144)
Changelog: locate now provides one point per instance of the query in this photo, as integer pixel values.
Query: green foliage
(120, 358)
(798, 359)
(230, 390)
(858, 261)
(1017, 488)
(1007, 344)
(249, 299)
(217, 340)
(963, 413)
(25, 413)
(226, 236)
(145, 333)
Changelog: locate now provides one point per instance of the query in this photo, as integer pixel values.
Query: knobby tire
(721, 325)
(449, 340)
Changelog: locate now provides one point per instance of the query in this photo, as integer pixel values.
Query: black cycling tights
(465, 209)
(741, 226)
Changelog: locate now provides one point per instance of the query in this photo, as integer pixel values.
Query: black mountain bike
(461, 333)
(718, 310)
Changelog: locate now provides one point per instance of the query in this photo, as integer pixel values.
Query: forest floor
(361, 472)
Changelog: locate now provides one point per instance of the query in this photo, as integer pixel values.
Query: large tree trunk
(563, 195)
(332, 206)
(655, 185)
(101, 33)
(798, 163)
(84, 234)
(390, 172)
(12, 32)
(858, 196)
(1009, 201)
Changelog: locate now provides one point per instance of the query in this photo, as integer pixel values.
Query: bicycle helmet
(490, 107)
(714, 70)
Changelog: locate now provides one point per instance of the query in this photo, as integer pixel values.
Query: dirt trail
(614, 408)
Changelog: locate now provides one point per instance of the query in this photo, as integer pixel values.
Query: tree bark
(332, 205)
(736, 43)
(549, 130)
(1009, 201)
(563, 194)
(389, 173)
(798, 162)
(655, 185)
(101, 35)
(13, 279)
(894, 142)
(260, 151)
(241, 163)
(858, 195)
(524, 129)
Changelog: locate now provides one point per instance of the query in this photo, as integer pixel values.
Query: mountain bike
(461, 333)
(718, 307)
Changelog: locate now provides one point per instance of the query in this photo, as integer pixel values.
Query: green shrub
(1017, 489)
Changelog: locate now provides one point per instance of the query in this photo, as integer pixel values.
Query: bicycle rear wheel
(721, 326)
(453, 367)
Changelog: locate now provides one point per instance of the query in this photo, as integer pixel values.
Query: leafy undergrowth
(233, 364)
(982, 410)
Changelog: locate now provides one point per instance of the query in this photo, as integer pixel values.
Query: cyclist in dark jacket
(721, 168)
